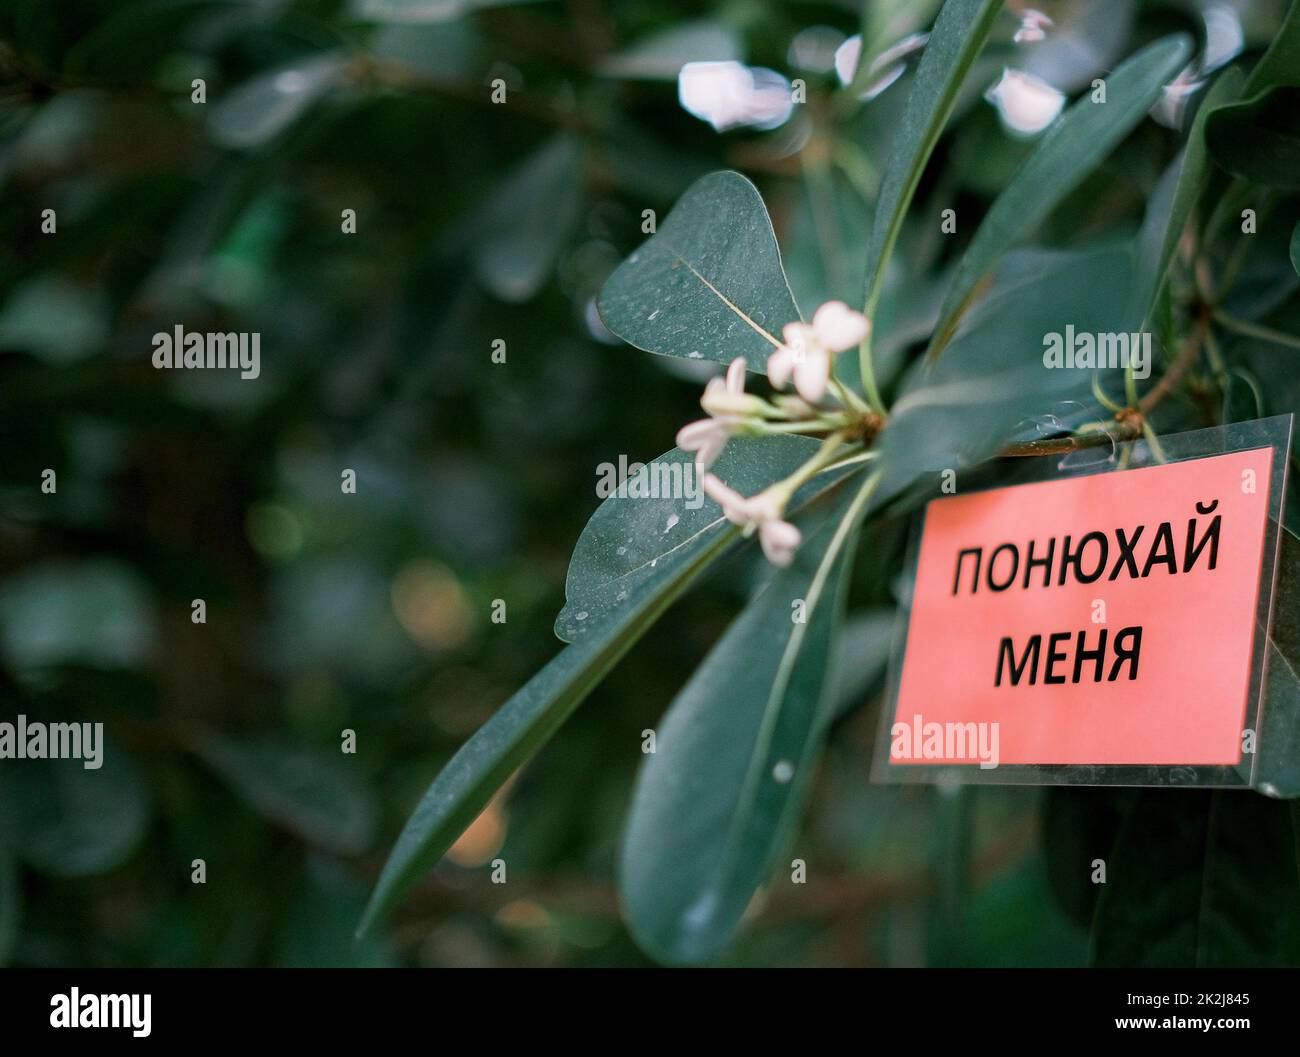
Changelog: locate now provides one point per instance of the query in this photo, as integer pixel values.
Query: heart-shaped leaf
(1063, 158)
(709, 284)
(721, 793)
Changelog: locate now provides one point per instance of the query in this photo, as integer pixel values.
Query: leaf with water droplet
(720, 797)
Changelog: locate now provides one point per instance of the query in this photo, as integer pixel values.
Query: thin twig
(1128, 424)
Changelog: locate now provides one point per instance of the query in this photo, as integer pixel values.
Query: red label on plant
(1107, 619)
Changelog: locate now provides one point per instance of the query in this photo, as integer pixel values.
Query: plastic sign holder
(1104, 623)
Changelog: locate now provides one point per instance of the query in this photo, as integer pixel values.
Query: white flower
(726, 403)
(778, 538)
(729, 94)
(1033, 25)
(727, 396)
(706, 437)
(1026, 104)
(808, 348)
(735, 507)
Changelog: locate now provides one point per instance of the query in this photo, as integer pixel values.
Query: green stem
(868, 373)
(1254, 330)
(811, 426)
(1153, 441)
(826, 454)
(1130, 386)
(847, 396)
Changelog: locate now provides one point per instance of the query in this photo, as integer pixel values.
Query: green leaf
(307, 792)
(316, 930)
(94, 612)
(262, 108)
(958, 35)
(636, 540)
(1278, 771)
(1063, 158)
(526, 221)
(612, 626)
(1171, 204)
(709, 284)
(1281, 62)
(1258, 139)
(514, 733)
(1079, 826)
(661, 56)
(721, 794)
(961, 410)
(420, 12)
(863, 649)
(74, 822)
(1200, 878)
(884, 24)
(1295, 249)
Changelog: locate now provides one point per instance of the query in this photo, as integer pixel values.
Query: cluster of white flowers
(808, 348)
(805, 355)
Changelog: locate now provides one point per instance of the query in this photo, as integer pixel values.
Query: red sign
(1107, 619)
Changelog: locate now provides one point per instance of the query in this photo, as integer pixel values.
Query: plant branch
(1254, 330)
(1128, 423)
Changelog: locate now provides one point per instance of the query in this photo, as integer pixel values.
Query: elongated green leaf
(661, 56)
(1079, 826)
(709, 284)
(863, 657)
(527, 219)
(317, 797)
(1278, 771)
(517, 730)
(262, 108)
(420, 12)
(659, 522)
(1230, 134)
(1064, 157)
(1258, 139)
(958, 35)
(1295, 249)
(1200, 878)
(1171, 204)
(622, 595)
(959, 411)
(719, 796)
(1281, 62)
